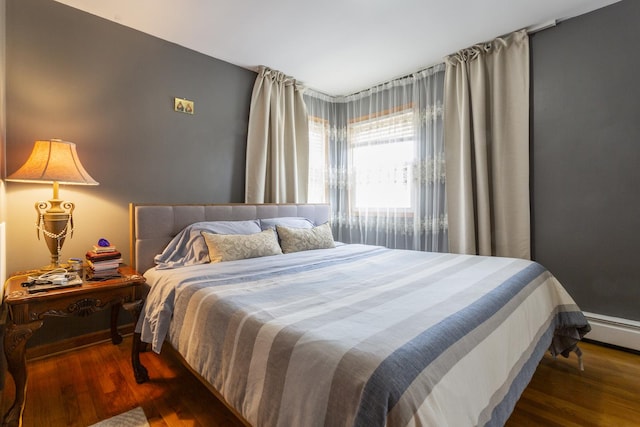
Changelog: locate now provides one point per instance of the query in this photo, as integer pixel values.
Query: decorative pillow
(286, 221)
(188, 246)
(230, 247)
(304, 239)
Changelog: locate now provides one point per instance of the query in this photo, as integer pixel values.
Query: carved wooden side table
(27, 312)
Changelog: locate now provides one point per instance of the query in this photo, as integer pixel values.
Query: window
(384, 176)
(383, 151)
(318, 146)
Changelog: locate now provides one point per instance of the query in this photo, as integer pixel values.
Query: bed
(343, 335)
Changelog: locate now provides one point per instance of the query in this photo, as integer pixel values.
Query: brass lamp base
(55, 220)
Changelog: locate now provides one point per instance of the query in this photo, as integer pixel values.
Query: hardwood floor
(84, 386)
(606, 393)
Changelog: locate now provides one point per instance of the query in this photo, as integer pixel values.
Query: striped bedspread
(363, 335)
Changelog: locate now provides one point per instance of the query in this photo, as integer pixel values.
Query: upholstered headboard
(152, 226)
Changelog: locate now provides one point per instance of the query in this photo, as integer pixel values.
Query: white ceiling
(335, 46)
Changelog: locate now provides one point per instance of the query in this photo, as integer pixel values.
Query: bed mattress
(363, 335)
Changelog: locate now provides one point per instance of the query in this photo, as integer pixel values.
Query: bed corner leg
(580, 361)
(139, 371)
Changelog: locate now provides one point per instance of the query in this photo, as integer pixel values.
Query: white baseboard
(614, 330)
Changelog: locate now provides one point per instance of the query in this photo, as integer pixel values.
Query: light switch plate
(182, 105)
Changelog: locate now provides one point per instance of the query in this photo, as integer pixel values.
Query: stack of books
(103, 262)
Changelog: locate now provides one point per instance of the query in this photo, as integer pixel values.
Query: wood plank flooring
(84, 386)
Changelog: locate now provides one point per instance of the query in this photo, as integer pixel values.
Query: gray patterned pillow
(230, 247)
(304, 239)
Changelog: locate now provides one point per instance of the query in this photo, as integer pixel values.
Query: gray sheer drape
(386, 176)
(277, 141)
(487, 148)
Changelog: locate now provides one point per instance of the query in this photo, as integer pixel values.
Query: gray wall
(586, 157)
(110, 89)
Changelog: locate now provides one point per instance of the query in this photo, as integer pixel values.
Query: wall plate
(182, 105)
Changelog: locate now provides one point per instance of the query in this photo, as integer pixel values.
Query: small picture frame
(182, 105)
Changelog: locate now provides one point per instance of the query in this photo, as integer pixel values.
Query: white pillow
(286, 221)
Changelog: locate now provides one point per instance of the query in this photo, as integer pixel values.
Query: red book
(92, 256)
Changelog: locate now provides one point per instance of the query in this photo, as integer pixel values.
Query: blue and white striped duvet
(362, 335)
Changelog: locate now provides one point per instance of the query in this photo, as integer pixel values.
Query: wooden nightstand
(27, 312)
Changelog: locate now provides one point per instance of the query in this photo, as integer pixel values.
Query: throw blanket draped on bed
(363, 335)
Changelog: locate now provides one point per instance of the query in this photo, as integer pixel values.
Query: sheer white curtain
(277, 142)
(385, 174)
(487, 146)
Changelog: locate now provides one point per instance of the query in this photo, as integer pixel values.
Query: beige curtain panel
(277, 141)
(486, 134)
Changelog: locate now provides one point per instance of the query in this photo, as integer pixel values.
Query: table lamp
(54, 161)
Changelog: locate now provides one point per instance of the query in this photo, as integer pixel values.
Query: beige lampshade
(53, 161)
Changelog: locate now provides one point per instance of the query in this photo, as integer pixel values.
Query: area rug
(133, 418)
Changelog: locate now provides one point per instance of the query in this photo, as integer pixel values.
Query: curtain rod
(539, 27)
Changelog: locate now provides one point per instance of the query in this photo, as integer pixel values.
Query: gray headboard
(152, 226)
